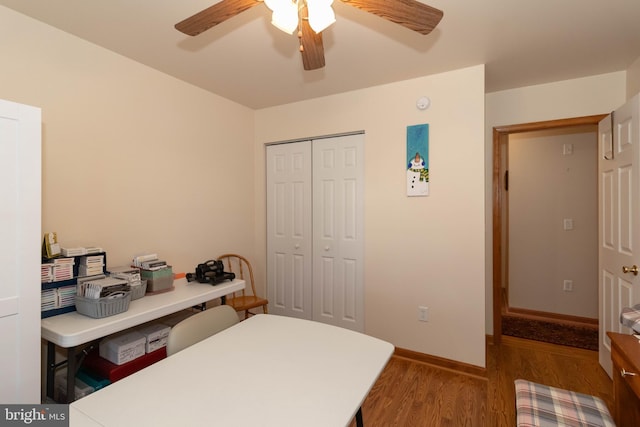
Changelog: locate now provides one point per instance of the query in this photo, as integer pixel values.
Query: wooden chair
(243, 300)
(200, 326)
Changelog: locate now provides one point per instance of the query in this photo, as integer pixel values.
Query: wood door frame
(500, 138)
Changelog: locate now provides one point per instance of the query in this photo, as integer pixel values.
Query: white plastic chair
(200, 326)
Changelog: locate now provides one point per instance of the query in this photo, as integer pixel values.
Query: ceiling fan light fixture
(312, 17)
(321, 15)
(285, 16)
(275, 4)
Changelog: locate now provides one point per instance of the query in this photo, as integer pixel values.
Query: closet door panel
(289, 229)
(338, 231)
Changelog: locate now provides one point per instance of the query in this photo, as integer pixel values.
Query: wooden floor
(410, 393)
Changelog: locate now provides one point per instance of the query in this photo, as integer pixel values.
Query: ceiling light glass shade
(321, 14)
(285, 17)
(276, 4)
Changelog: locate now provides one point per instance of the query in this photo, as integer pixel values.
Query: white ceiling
(247, 60)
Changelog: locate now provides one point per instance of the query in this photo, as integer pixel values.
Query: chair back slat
(241, 267)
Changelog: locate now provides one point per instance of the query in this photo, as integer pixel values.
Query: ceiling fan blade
(214, 15)
(411, 14)
(312, 49)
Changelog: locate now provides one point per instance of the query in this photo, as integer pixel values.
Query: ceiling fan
(411, 14)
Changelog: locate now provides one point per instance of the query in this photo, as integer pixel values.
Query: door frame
(500, 139)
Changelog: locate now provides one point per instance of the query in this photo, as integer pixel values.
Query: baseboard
(440, 362)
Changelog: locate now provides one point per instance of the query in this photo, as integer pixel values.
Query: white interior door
(20, 207)
(289, 235)
(619, 221)
(338, 183)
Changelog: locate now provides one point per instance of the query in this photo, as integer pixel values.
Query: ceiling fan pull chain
(300, 29)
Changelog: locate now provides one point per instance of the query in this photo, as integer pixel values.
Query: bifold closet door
(289, 235)
(315, 230)
(338, 244)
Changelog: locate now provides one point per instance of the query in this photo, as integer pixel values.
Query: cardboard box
(156, 335)
(123, 348)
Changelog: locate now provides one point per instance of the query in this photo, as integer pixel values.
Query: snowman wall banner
(417, 161)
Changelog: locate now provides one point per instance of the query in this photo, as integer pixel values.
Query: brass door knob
(633, 269)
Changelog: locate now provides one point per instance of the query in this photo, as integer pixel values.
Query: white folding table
(73, 329)
(265, 371)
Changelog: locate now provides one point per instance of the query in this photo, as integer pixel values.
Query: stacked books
(81, 251)
(74, 251)
(149, 262)
(62, 269)
(49, 299)
(91, 265)
(64, 296)
(131, 275)
(46, 273)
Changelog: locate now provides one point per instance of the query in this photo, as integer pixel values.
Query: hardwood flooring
(410, 393)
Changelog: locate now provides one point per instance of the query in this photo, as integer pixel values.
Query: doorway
(501, 136)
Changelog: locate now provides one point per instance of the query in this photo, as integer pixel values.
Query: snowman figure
(417, 177)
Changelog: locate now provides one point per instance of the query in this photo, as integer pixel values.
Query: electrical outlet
(423, 313)
(567, 285)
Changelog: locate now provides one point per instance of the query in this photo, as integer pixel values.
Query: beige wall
(133, 160)
(545, 187)
(418, 250)
(633, 79)
(571, 98)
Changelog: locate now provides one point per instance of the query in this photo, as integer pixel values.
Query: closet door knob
(326, 248)
(297, 246)
(633, 269)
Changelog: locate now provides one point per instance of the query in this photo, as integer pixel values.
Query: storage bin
(123, 348)
(158, 280)
(100, 366)
(138, 291)
(60, 392)
(103, 307)
(156, 335)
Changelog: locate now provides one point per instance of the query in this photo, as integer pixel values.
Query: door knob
(297, 246)
(633, 269)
